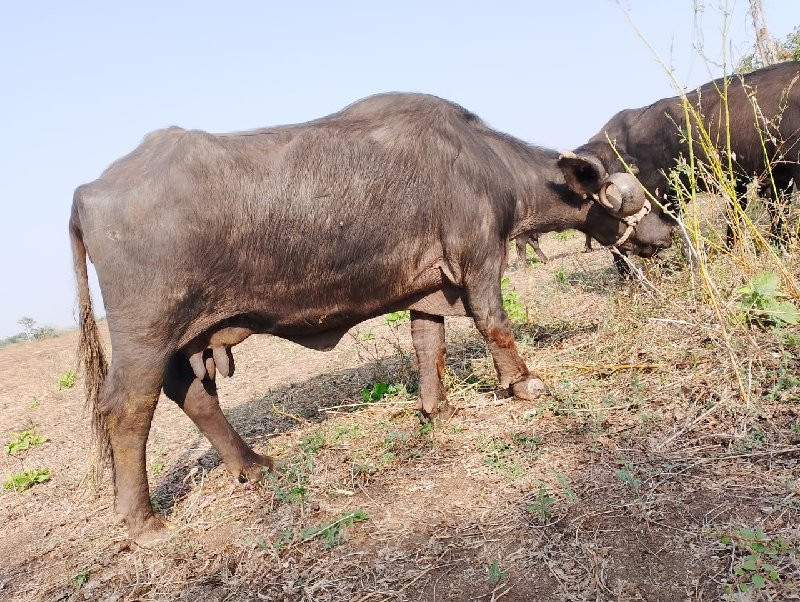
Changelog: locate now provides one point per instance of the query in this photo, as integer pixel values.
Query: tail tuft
(90, 354)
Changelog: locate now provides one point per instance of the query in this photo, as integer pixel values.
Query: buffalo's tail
(90, 351)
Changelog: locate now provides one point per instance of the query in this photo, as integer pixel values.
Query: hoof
(440, 415)
(153, 532)
(253, 471)
(443, 414)
(529, 389)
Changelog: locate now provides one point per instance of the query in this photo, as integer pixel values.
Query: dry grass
(622, 485)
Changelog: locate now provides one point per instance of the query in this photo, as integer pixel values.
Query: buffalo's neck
(544, 201)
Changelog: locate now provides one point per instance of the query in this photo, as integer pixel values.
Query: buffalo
(302, 231)
(763, 109)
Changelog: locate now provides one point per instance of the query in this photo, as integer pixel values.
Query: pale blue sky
(82, 82)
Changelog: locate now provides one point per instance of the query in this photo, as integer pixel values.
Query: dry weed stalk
(709, 167)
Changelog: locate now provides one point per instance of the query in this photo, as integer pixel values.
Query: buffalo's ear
(583, 173)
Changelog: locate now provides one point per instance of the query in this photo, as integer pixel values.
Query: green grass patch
(26, 479)
(67, 380)
(759, 559)
(396, 318)
(331, 532)
(515, 308)
(24, 440)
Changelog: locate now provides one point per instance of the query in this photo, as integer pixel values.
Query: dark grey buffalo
(651, 138)
(302, 231)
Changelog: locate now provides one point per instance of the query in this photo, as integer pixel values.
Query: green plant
(374, 392)
(332, 531)
(341, 432)
(34, 404)
(561, 276)
(760, 552)
(26, 479)
(786, 388)
(290, 483)
(313, 442)
(395, 438)
(396, 318)
(569, 493)
(379, 390)
(788, 339)
(515, 308)
(67, 380)
(24, 440)
(531, 257)
(157, 467)
(565, 235)
(495, 574)
(760, 303)
(499, 456)
(79, 580)
(626, 475)
(542, 503)
(526, 442)
(368, 336)
(284, 540)
(755, 439)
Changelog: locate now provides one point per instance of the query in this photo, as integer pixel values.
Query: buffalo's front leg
(427, 335)
(198, 399)
(486, 306)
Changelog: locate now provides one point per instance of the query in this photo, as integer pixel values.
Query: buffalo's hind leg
(198, 399)
(127, 402)
(427, 335)
(537, 249)
(485, 304)
(522, 251)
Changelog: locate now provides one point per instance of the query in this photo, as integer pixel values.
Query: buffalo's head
(621, 214)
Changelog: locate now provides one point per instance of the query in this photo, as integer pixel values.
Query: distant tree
(28, 326)
(787, 50)
(30, 331)
(766, 47)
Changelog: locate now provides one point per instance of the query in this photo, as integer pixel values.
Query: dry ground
(644, 476)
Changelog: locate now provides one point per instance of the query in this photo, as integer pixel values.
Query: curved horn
(622, 194)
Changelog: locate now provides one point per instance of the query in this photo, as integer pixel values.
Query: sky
(81, 83)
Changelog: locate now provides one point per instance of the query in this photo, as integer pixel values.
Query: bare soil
(643, 476)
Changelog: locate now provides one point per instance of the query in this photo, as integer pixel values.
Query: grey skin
(302, 231)
(650, 137)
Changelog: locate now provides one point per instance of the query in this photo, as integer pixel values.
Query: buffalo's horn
(622, 194)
